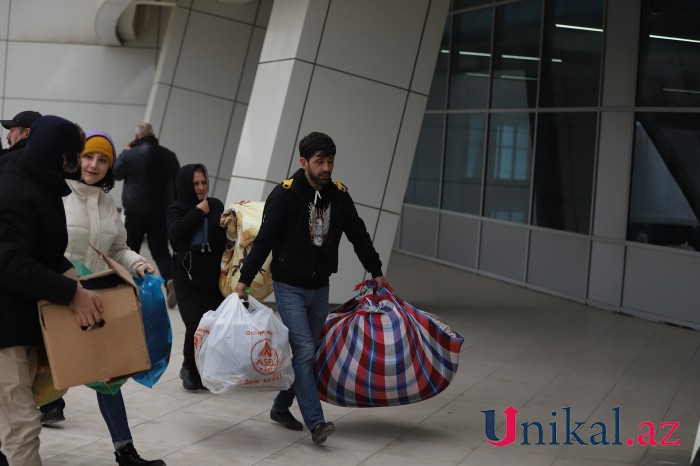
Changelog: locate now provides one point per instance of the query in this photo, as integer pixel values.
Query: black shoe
(128, 456)
(191, 380)
(3, 460)
(51, 416)
(286, 419)
(321, 432)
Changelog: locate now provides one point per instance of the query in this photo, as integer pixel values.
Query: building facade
(560, 151)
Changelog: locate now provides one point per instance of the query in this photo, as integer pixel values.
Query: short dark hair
(315, 142)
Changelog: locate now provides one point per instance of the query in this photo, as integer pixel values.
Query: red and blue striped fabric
(378, 350)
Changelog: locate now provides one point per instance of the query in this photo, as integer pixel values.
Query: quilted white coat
(92, 218)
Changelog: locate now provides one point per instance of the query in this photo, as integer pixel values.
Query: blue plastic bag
(156, 323)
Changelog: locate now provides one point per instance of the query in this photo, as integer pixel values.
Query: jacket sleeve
(356, 232)
(119, 251)
(182, 225)
(120, 169)
(274, 217)
(19, 271)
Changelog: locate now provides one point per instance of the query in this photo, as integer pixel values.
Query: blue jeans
(304, 313)
(114, 413)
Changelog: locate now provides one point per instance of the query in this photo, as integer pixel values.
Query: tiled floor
(540, 354)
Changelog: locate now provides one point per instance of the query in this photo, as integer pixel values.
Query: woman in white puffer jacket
(92, 219)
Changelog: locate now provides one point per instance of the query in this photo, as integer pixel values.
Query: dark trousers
(193, 303)
(155, 229)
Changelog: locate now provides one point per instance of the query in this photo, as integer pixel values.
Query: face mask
(71, 166)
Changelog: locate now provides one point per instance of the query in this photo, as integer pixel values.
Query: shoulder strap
(286, 184)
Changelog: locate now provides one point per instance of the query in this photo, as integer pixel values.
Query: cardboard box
(114, 351)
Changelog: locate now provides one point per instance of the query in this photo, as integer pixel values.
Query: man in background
(19, 128)
(148, 170)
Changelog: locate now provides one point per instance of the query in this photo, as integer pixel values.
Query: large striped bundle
(378, 350)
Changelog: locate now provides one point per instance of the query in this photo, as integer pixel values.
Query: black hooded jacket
(148, 170)
(198, 266)
(303, 231)
(33, 234)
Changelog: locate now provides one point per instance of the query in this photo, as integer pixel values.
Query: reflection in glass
(571, 55)
(471, 58)
(669, 54)
(464, 158)
(665, 191)
(516, 54)
(438, 88)
(507, 195)
(564, 163)
(424, 181)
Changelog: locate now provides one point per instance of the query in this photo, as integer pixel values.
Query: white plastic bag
(243, 349)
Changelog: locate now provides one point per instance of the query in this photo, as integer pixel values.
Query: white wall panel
(457, 239)
(251, 190)
(79, 73)
(558, 262)
(294, 30)
(232, 140)
(4, 13)
(355, 38)
(212, 55)
(384, 236)
(612, 177)
(183, 132)
(266, 147)
(157, 102)
(662, 284)
(419, 230)
(3, 56)
(605, 275)
(503, 250)
(169, 53)
(251, 66)
(263, 16)
(244, 12)
(363, 117)
(405, 150)
(69, 21)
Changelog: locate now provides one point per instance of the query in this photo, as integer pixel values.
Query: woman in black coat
(198, 244)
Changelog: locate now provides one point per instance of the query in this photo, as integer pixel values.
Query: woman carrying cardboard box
(92, 218)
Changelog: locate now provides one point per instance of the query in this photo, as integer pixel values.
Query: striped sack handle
(378, 350)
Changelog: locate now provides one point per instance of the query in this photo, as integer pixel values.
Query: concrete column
(360, 71)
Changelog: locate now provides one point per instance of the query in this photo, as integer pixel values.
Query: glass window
(464, 160)
(665, 191)
(516, 54)
(508, 168)
(438, 88)
(669, 54)
(424, 182)
(564, 163)
(471, 59)
(571, 54)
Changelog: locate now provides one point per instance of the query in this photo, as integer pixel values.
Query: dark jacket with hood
(303, 231)
(198, 266)
(148, 170)
(33, 233)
